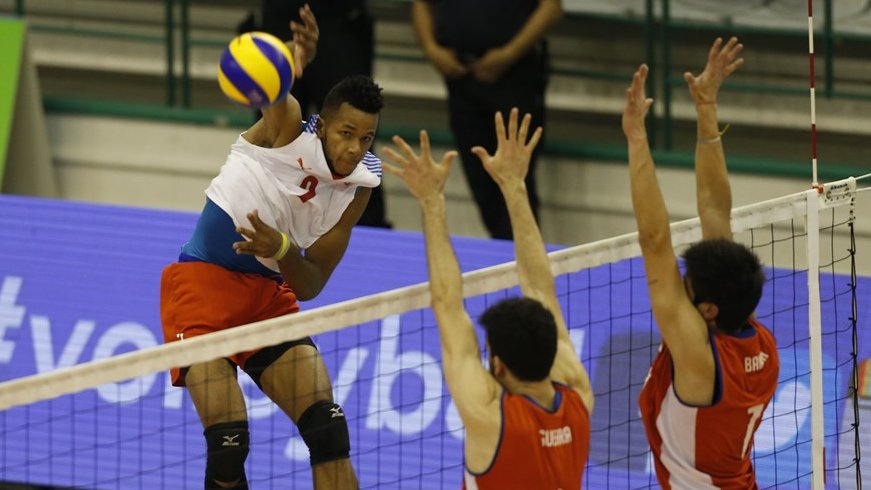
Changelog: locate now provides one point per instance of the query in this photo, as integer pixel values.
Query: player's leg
(198, 298)
(298, 382)
(218, 399)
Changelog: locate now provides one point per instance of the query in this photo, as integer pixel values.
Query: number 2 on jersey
(309, 183)
(755, 412)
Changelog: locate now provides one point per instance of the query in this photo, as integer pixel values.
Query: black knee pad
(226, 450)
(325, 431)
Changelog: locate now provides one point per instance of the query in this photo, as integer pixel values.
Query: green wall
(11, 41)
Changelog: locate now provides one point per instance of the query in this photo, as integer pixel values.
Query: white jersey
(291, 187)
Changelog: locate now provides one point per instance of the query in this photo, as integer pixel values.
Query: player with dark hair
(528, 419)
(347, 47)
(521, 333)
(725, 274)
(277, 221)
(717, 366)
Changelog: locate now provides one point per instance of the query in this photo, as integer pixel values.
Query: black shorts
(262, 359)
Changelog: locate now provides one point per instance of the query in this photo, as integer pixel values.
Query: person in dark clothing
(493, 56)
(346, 47)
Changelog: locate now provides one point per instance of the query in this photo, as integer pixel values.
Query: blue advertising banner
(80, 282)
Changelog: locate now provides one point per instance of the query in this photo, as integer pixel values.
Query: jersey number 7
(755, 412)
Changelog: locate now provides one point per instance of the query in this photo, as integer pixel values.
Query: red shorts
(197, 298)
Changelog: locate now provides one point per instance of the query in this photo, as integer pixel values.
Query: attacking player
(528, 419)
(276, 223)
(717, 366)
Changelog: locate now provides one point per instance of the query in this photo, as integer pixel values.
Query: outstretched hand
(263, 240)
(513, 151)
(422, 175)
(637, 105)
(305, 39)
(721, 63)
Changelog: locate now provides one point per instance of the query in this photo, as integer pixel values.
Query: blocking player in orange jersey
(528, 419)
(717, 366)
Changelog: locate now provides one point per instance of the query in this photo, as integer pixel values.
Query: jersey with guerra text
(538, 448)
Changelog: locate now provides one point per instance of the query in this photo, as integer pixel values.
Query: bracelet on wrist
(707, 141)
(715, 139)
(282, 250)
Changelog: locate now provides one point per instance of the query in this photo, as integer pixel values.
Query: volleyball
(256, 69)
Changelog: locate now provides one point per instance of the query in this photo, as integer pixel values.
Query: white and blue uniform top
(291, 187)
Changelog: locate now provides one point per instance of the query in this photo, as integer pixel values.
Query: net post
(818, 449)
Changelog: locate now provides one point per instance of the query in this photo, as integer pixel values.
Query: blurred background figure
(493, 56)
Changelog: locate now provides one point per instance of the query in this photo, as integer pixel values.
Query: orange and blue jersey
(708, 447)
(538, 447)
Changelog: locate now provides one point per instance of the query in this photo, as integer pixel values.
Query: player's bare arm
(508, 168)
(473, 389)
(683, 329)
(306, 272)
(713, 193)
(281, 122)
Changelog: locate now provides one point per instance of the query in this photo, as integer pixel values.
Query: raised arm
(508, 168)
(490, 67)
(282, 122)
(713, 193)
(473, 389)
(682, 327)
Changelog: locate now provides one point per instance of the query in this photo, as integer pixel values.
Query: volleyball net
(115, 422)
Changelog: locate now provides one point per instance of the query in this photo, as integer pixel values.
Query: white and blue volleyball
(256, 69)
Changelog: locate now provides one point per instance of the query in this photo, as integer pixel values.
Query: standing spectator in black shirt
(493, 56)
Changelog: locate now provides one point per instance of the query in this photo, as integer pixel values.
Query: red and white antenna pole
(818, 449)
